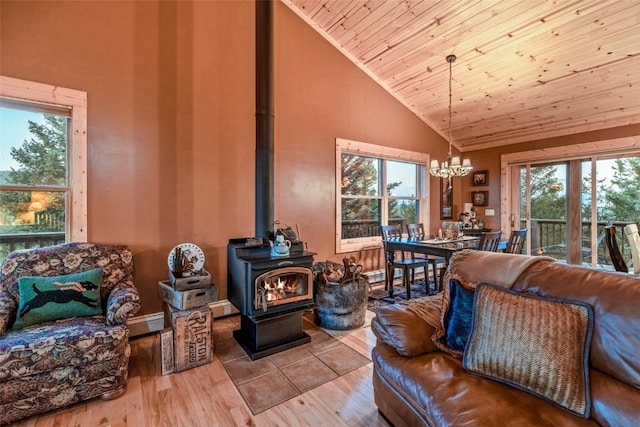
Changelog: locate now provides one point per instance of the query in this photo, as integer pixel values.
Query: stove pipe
(264, 212)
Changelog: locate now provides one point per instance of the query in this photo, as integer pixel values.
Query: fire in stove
(282, 287)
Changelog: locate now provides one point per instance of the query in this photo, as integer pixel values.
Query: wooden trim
(75, 100)
(380, 152)
(605, 148)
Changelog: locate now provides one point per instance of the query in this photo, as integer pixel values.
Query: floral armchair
(57, 363)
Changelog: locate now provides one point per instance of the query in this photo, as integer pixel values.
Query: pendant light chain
(450, 167)
(450, 91)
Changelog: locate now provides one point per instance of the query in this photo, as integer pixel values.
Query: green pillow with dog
(44, 299)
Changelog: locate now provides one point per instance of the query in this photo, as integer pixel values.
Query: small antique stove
(271, 293)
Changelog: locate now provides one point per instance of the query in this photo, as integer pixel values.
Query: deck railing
(12, 242)
(366, 228)
(548, 237)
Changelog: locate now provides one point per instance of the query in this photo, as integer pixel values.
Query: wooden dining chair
(516, 241)
(438, 263)
(408, 265)
(586, 251)
(611, 241)
(631, 230)
(489, 241)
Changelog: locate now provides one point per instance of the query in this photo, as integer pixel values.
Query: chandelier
(452, 166)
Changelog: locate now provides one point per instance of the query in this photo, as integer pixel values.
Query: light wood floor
(205, 396)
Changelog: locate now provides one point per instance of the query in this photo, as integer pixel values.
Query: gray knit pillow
(536, 344)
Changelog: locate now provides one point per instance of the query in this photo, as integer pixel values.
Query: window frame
(44, 95)
(345, 146)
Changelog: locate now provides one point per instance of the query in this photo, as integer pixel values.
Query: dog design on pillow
(68, 292)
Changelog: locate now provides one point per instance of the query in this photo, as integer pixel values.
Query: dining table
(433, 246)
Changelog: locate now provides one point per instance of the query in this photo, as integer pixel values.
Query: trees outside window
(621, 194)
(377, 186)
(39, 183)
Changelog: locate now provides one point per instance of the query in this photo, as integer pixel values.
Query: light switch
(489, 212)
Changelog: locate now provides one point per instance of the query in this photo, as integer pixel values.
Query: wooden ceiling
(526, 70)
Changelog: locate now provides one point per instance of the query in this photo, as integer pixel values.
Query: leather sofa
(56, 363)
(415, 383)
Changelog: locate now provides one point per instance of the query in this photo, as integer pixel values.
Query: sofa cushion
(538, 345)
(457, 318)
(401, 328)
(73, 342)
(48, 298)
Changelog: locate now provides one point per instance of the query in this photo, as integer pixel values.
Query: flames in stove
(282, 286)
(280, 290)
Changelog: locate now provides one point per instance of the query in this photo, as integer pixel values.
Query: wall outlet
(489, 212)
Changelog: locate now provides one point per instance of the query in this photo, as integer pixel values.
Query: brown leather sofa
(416, 384)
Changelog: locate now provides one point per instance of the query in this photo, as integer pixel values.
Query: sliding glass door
(542, 207)
(566, 204)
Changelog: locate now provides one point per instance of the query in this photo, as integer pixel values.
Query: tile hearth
(269, 381)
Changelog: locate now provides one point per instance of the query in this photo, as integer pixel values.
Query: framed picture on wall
(480, 198)
(480, 178)
(446, 198)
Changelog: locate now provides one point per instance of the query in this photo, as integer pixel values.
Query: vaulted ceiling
(525, 69)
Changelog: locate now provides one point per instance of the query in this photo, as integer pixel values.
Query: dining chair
(611, 241)
(516, 241)
(586, 251)
(631, 230)
(408, 265)
(438, 263)
(489, 241)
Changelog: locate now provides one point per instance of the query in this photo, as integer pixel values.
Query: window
(376, 186)
(42, 165)
(564, 208)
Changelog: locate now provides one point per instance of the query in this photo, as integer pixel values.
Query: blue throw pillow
(458, 319)
(43, 299)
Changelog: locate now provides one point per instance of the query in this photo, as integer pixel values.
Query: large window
(376, 186)
(42, 165)
(565, 204)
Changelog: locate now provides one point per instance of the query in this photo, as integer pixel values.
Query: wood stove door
(282, 286)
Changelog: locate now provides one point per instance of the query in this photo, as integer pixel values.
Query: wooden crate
(190, 282)
(168, 355)
(192, 336)
(185, 300)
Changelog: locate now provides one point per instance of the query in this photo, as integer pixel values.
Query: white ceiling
(526, 70)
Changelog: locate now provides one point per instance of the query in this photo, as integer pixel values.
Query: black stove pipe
(264, 212)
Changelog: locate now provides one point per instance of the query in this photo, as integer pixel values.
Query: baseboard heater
(154, 322)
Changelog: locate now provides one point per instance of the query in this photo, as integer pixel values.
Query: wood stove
(271, 293)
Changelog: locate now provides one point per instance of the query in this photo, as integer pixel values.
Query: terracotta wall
(171, 120)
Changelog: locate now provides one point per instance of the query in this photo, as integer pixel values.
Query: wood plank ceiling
(526, 69)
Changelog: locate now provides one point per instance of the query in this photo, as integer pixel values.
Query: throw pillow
(539, 345)
(457, 319)
(43, 299)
